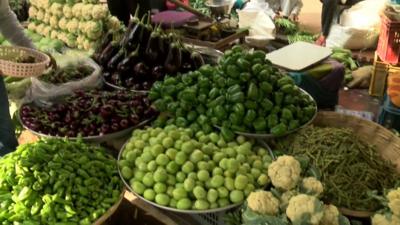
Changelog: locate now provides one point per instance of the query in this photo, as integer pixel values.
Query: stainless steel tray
(216, 210)
(269, 136)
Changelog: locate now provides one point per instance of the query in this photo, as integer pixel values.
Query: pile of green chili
(57, 182)
(350, 168)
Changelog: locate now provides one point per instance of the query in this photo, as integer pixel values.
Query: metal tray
(226, 208)
(122, 88)
(98, 138)
(269, 136)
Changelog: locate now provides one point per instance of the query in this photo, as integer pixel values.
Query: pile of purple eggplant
(92, 113)
(144, 55)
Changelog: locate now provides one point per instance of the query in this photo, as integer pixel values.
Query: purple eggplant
(116, 59)
(127, 63)
(174, 59)
(141, 71)
(197, 60)
(157, 73)
(109, 52)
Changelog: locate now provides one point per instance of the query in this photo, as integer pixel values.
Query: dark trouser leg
(8, 141)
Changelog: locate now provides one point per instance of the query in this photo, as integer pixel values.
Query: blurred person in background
(286, 8)
(13, 32)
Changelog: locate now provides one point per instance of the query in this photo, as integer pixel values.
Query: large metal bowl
(223, 209)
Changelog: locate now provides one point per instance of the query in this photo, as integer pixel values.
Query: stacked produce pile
(351, 169)
(390, 214)
(178, 168)
(70, 72)
(293, 199)
(292, 31)
(345, 57)
(57, 182)
(145, 54)
(79, 25)
(245, 93)
(89, 113)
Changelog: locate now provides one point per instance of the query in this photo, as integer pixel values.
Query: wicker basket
(9, 68)
(386, 142)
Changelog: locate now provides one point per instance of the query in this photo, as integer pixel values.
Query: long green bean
(350, 168)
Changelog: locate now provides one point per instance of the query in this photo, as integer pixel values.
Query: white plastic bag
(352, 38)
(363, 15)
(44, 91)
(255, 16)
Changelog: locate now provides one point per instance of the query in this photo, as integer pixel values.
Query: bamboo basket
(385, 141)
(14, 69)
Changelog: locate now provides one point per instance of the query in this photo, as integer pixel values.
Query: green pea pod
(252, 91)
(260, 124)
(249, 117)
(279, 129)
(227, 134)
(272, 120)
(287, 114)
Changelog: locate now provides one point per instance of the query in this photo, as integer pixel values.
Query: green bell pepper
(243, 64)
(227, 134)
(232, 71)
(272, 120)
(219, 112)
(266, 87)
(278, 96)
(236, 97)
(251, 104)
(256, 69)
(252, 91)
(287, 114)
(239, 109)
(214, 92)
(266, 104)
(249, 117)
(260, 124)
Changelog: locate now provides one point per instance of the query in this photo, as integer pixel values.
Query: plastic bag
(44, 91)
(352, 38)
(363, 15)
(255, 16)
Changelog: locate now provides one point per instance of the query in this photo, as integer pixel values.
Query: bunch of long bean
(350, 168)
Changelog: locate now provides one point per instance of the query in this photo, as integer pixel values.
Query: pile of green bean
(350, 168)
(57, 182)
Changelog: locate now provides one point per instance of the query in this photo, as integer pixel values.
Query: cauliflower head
(87, 11)
(285, 172)
(40, 15)
(263, 202)
(331, 215)
(394, 201)
(94, 30)
(54, 22)
(46, 18)
(312, 186)
(113, 23)
(72, 26)
(99, 11)
(387, 219)
(285, 198)
(67, 11)
(62, 24)
(32, 27)
(56, 9)
(77, 10)
(54, 34)
(32, 12)
(305, 209)
(46, 31)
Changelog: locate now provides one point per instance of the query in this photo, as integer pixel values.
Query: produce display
(390, 214)
(70, 72)
(292, 31)
(293, 199)
(245, 93)
(145, 54)
(345, 57)
(88, 113)
(177, 168)
(57, 182)
(350, 168)
(78, 24)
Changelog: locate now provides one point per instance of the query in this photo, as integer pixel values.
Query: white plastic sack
(363, 15)
(44, 91)
(352, 38)
(255, 17)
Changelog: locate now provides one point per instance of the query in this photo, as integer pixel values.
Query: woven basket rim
(46, 59)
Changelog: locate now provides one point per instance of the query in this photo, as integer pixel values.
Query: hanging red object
(172, 6)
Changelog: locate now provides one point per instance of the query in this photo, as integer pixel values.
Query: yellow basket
(13, 69)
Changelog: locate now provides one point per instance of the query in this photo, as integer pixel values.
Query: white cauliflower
(72, 26)
(82, 26)
(56, 9)
(79, 41)
(54, 22)
(387, 219)
(88, 44)
(77, 10)
(32, 27)
(87, 11)
(32, 12)
(113, 23)
(331, 215)
(394, 201)
(305, 209)
(43, 4)
(46, 18)
(62, 24)
(46, 31)
(263, 202)
(93, 29)
(40, 28)
(40, 15)
(54, 34)
(285, 198)
(312, 186)
(99, 11)
(284, 172)
(67, 11)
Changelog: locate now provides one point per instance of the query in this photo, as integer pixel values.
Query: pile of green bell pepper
(245, 92)
(57, 182)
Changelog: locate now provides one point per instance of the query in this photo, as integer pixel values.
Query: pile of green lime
(177, 168)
